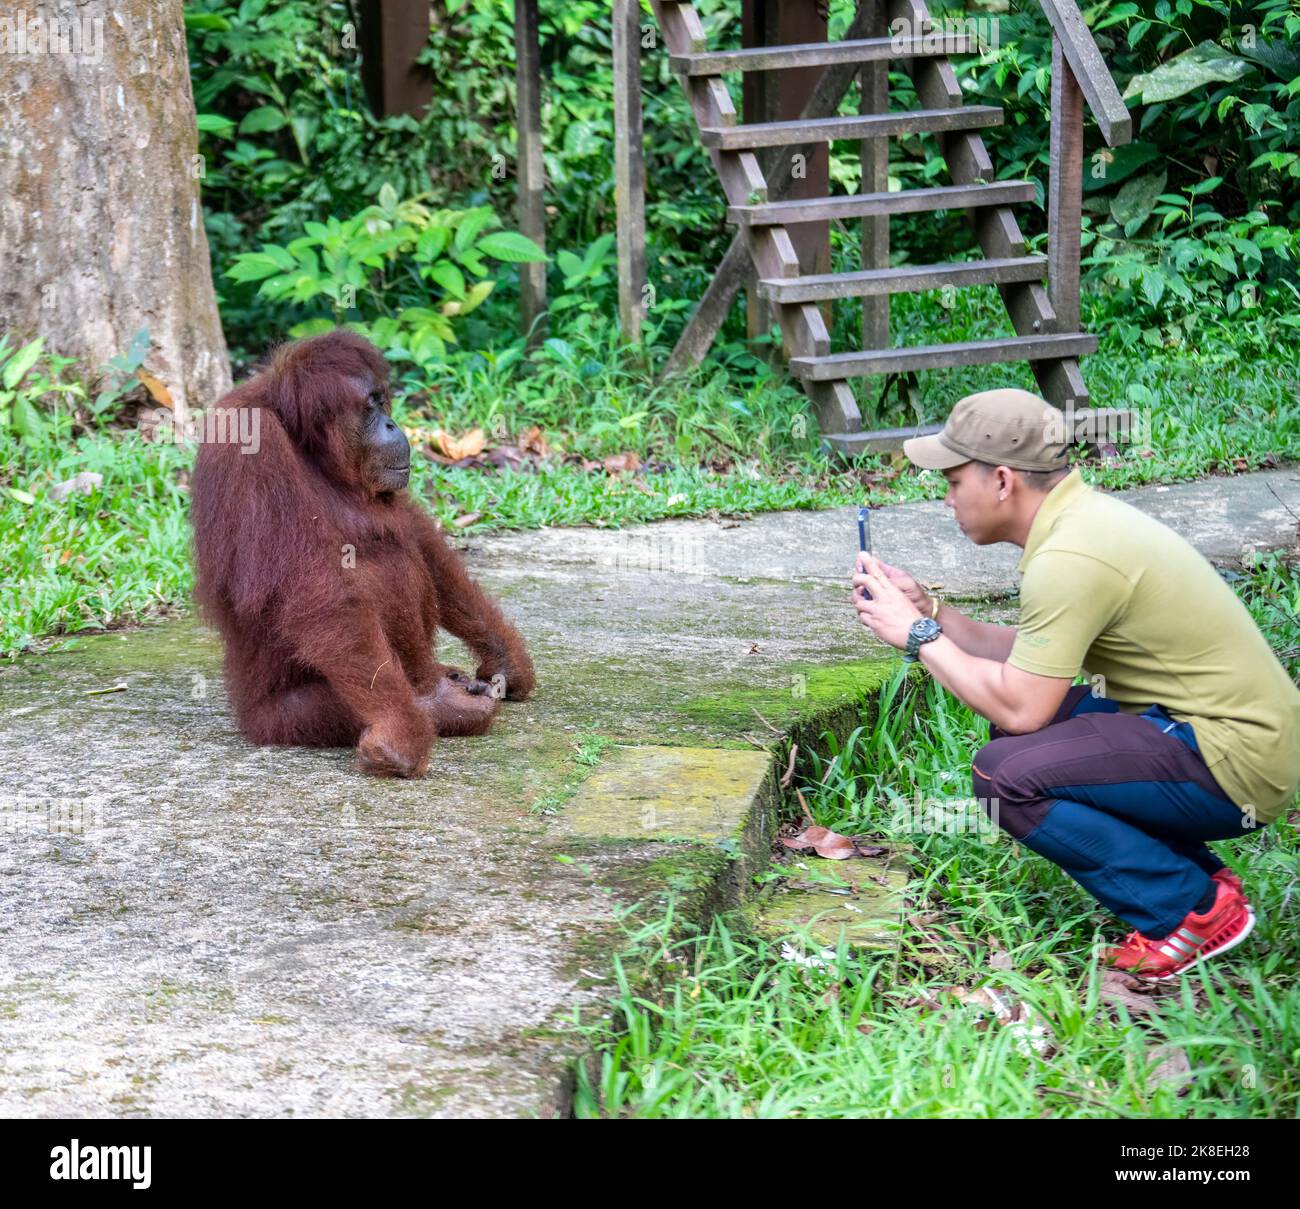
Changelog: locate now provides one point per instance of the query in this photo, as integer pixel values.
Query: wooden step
(850, 126)
(942, 356)
(903, 279)
(821, 54)
(862, 205)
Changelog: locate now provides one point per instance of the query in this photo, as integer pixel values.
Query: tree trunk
(101, 226)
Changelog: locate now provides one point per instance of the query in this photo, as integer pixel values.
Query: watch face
(927, 627)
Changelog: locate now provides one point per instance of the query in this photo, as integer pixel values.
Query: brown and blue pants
(1124, 803)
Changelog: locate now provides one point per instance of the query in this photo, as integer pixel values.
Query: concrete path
(190, 926)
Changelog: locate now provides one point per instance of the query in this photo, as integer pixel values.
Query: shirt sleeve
(1066, 601)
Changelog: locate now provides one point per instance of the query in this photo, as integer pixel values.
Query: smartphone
(864, 536)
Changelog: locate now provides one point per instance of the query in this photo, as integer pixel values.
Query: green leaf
(449, 277)
(21, 362)
(431, 243)
(510, 246)
(1153, 286)
(252, 266)
(561, 348)
(136, 354)
(21, 496)
(1136, 199)
(214, 123)
(262, 119)
(569, 264)
(470, 226)
(282, 257)
(311, 327)
(27, 421)
(206, 21)
(1119, 164)
(1183, 73)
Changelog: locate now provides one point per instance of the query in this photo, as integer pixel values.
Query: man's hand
(890, 612)
(910, 588)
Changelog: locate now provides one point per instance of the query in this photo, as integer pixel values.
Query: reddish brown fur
(317, 653)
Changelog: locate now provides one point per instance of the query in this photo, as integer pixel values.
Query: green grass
(718, 443)
(113, 557)
(731, 1028)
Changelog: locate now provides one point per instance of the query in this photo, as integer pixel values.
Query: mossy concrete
(858, 901)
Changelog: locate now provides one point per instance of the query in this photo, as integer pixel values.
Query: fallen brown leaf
(463, 522)
(1136, 994)
(534, 442)
(156, 387)
(821, 840)
(1174, 1068)
(622, 461)
(468, 445)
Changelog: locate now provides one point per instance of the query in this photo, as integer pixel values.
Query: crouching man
(1189, 729)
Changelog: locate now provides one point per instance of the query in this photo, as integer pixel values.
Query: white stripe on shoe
(1223, 948)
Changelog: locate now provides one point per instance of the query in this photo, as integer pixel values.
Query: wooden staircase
(1046, 324)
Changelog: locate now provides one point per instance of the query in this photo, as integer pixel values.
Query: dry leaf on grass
(157, 388)
(1137, 994)
(1026, 1027)
(533, 441)
(463, 522)
(822, 840)
(621, 461)
(468, 445)
(1173, 1068)
(83, 484)
(829, 844)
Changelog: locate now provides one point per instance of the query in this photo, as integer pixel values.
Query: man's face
(973, 497)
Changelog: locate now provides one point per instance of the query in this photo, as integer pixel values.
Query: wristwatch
(924, 629)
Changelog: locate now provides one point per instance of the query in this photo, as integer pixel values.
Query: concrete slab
(671, 793)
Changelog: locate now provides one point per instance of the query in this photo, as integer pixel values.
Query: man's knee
(1001, 787)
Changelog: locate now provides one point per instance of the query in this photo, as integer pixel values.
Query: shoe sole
(1215, 952)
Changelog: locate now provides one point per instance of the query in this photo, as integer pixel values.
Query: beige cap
(1002, 427)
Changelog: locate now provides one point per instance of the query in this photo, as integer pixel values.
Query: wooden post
(754, 107)
(775, 96)
(875, 179)
(736, 268)
(629, 168)
(1064, 192)
(391, 37)
(530, 169)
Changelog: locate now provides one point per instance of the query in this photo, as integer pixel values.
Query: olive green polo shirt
(1110, 591)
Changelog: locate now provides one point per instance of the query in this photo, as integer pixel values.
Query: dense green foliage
(1196, 218)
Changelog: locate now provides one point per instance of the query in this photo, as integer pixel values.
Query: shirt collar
(1058, 499)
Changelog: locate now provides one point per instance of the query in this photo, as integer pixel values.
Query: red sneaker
(1224, 926)
(1230, 879)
